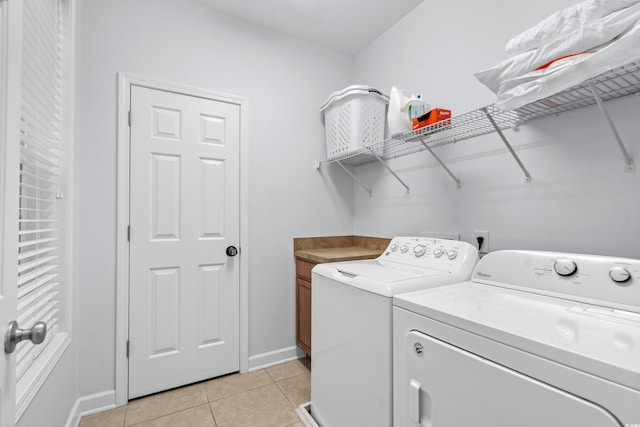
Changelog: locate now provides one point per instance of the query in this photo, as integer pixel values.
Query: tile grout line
(170, 413)
(239, 392)
(274, 383)
(285, 395)
(295, 375)
(215, 423)
(284, 378)
(293, 405)
(283, 392)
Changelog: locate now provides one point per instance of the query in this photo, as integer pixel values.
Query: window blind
(41, 246)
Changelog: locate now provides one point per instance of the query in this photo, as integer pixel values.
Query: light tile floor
(265, 398)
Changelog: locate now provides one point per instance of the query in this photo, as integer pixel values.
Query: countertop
(338, 248)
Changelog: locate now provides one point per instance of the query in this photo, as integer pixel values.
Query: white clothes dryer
(352, 305)
(533, 339)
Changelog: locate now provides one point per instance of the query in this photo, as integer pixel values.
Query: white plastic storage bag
(354, 117)
(598, 44)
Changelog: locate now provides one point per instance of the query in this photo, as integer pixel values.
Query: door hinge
(128, 233)
(129, 117)
(128, 348)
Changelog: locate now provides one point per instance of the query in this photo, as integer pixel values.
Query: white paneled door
(184, 219)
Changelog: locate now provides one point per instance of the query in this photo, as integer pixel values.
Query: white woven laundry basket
(354, 118)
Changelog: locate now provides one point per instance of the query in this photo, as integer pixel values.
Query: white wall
(54, 400)
(580, 200)
(285, 79)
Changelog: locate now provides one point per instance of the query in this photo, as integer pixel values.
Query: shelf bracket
(527, 176)
(629, 165)
(354, 177)
(389, 169)
(458, 184)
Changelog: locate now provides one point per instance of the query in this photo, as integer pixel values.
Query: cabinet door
(303, 315)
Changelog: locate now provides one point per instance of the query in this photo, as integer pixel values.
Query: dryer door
(447, 386)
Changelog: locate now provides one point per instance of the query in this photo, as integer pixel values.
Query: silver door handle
(15, 335)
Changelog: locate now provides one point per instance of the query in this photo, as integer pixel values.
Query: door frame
(125, 81)
(10, 74)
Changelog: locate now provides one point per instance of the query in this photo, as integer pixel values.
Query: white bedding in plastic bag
(536, 85)
(614, 39)
(556, 25)
(609, 6)
(588, 37)
(563, 22)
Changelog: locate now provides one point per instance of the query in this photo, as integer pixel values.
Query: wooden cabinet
(303, 305)
(314, 250)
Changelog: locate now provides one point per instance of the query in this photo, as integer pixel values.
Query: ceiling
(343, 25)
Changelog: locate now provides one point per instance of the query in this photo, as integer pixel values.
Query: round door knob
(232, 251)
(15, 335)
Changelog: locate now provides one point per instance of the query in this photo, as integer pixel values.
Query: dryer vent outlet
(482, 241)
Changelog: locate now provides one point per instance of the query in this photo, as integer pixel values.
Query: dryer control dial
(393, 247)
(452, 254)
(619, 274)
(419, 250)
(565, 267)
(404, 248)
(438, 252)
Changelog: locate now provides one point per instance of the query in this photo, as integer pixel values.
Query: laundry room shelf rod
(616, 83)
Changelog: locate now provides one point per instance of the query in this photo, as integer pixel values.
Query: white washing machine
(352, 305)
(534, 339)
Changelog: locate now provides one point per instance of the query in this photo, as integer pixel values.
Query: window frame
(38, 373)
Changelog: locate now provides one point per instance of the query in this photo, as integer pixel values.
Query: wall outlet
(481, 239)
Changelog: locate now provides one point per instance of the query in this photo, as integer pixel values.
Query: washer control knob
(452, 254)
(419, 250)
(619, 274)
(404, 248)
(438, 252)
(393, 247)
(565, 267)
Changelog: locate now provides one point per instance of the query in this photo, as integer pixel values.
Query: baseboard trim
(91, 404)
(265, 360)
(304, 413)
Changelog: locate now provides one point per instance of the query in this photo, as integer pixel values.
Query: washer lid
(385, 278)
(598, 340)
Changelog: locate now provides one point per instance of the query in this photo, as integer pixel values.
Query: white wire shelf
(458, 128)
(616, 83)
(619, 82)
